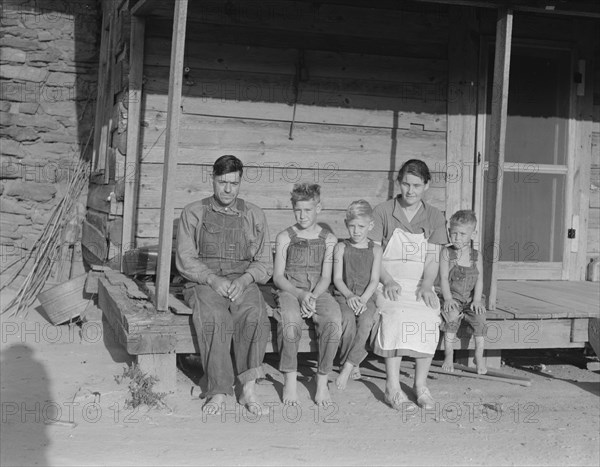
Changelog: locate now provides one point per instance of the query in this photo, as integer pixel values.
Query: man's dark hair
(227, 164)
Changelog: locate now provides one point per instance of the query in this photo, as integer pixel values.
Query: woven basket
(65, 301)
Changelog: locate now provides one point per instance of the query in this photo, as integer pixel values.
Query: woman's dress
(407, 327)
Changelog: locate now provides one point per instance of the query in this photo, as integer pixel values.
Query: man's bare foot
(214, 404)
(448, 364)
(355, 375)
(290, 393)
(342, 379)
(249, 400)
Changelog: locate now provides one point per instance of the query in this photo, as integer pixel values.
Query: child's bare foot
(478, 358)
(355, 375)
(249, 400)
(322, 397)
(290, 393)
(480, 365)
(214, 404)
(448, 364)
(342, 379)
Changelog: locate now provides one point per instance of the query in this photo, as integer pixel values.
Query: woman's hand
(428, 296)
(392, 291)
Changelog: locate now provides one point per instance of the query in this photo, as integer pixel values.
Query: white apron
(407, 324)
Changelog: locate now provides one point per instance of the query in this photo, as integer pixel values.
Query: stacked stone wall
(48, 74)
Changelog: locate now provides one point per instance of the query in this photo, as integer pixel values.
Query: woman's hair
(359, 208)
(415, 167)
(463, 217)
(305, 192)
(227, 164)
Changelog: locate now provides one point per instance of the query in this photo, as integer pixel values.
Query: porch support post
(170, 162)
(134, 108)
(462, 109)
(493, 206)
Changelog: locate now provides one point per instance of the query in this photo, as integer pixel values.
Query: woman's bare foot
(395, 397)
(249, 400)
(290, 393)
(322, 397)
(214, 404)
(448, 364)
(342, 379)
(424, 398)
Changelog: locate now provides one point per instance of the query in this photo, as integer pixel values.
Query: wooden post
(163, 366)
(97, 161)
(108, 104)
(134, 109)
(462, 109)
(580, 158)
(170, 162)
(493, 207)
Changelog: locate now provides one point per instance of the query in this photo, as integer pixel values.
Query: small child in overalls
(302, 275)
(461, 282)
(356, 266)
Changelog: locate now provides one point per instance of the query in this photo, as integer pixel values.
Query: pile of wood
(53, 250)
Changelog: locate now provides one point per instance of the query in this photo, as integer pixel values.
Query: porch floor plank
(549, 299)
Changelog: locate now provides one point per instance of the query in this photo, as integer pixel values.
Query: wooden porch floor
(546, 300)
(530, 314)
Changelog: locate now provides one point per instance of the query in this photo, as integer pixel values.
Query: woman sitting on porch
(410, 232)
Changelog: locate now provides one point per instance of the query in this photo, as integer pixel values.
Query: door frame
(541, 270)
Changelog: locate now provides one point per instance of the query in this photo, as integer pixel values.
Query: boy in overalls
(461, 282)
(223, 249)
(302, 274)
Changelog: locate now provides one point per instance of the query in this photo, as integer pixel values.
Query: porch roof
(587, 9)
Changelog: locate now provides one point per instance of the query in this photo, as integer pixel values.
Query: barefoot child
(302, 274)
(356, 265)
(461, 281)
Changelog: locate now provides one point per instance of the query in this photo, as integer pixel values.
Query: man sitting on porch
(223, 249)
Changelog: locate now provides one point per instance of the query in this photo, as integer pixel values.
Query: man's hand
(219, 284)
(428, 296)
(308, 302)
(237, 287)
(392, 291)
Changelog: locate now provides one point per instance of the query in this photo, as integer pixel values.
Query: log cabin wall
(370, 87)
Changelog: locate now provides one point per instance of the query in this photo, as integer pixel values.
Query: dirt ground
(51, 374)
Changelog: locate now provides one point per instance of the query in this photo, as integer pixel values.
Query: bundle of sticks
(50, 245)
